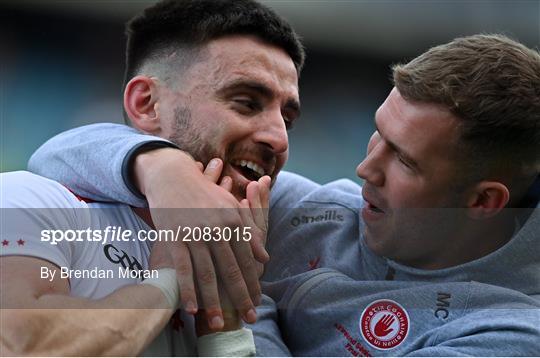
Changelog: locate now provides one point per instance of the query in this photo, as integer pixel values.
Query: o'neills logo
(384, 324)
(329, 215)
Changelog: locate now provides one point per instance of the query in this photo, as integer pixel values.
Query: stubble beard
(189, 139)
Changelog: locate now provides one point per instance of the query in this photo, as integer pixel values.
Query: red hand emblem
(382, 328)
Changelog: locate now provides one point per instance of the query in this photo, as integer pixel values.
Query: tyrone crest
(384, 324)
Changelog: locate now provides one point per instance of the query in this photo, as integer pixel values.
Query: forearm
(93, 161)
(162, 168)
(123, 323)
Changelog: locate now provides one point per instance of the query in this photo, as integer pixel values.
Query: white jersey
(33, 206)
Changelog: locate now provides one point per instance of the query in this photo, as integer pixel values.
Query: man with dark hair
(439, 255)
(169, 37)
(181, 26)
(189, 63)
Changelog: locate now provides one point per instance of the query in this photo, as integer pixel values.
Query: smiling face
(235, 103)
(411, 185)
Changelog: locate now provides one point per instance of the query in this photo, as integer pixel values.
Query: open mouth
(252, 171)
(374, 208)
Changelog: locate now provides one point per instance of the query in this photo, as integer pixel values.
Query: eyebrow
(263, 90)
(398, 149)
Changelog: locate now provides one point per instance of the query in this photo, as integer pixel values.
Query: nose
(273, 133)
(371, 168)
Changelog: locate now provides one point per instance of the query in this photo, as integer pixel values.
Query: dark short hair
(188, 24)
(492, 84)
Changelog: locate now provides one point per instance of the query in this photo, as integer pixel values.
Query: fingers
(231, 317)
(257, 235)
(213, 173)
(388, 320)
(253, 195)
(226, 183)
(200, 166)
(207, 284)
(233, 278)
(264, 189)
(244, 256)
(257, 217)
(213, 170)
(184, 274)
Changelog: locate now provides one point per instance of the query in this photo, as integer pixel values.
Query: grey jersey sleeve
(94, 161)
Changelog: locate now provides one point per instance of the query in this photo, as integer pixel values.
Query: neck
(473, 240)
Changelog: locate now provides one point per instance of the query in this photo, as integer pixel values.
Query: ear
(141, 105)
(487, 199)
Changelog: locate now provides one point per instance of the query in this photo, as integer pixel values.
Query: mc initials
(443, 302)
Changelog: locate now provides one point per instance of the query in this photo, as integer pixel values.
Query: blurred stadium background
(61, 66)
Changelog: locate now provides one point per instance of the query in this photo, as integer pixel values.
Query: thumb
(213, 170)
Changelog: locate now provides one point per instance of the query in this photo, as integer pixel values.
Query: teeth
(253, 166)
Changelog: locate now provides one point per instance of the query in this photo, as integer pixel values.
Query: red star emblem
(20, 242)
(313, 264)
(5, 243)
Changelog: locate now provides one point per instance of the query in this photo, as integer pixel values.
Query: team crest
(384, 324)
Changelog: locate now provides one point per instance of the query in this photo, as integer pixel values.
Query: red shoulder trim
(80, 198)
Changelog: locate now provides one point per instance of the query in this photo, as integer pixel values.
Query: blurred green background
(62, 66)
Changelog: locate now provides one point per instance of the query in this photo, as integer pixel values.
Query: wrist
(238, 343)
(167, 283)
(150, 166)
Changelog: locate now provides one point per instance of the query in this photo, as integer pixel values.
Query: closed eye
(404, 161)
(289, 121)
(247, 106)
